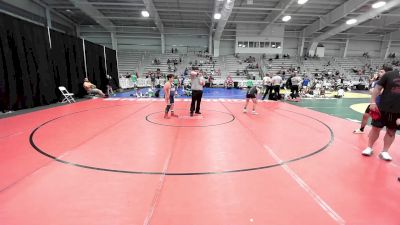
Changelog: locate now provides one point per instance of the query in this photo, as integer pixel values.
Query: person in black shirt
(251, 94)
(385, 111)
(366, 114)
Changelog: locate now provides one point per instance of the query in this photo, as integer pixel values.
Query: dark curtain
(67, 62)
(25, 77)
(112, 68)
(96, 71)
(31, 71)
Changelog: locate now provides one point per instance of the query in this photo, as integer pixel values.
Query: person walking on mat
(366, 114)
(385, 112)
(251, 94)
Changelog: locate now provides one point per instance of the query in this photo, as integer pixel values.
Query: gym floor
(117, 161)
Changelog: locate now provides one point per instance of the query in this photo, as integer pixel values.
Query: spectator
(340, 93)
(91, 89)
(153, 79)
(229, 82)
(305, 85)
(110, 84)
(134, 80)
(210, 79)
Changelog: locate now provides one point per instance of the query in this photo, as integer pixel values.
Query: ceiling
(124, 16)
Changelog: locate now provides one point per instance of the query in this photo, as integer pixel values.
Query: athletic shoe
(174, 115)
(244, 110)
(254, 113)
(385, 156)
(368, 151)
(198, 113)
(191, 114)
(358, 131)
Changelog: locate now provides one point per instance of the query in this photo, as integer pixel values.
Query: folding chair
(68, 97)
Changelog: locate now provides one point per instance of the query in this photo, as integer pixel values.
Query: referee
(197, 83)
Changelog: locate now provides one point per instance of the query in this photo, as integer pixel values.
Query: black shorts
(367, 109)
(172, 98)
(387, 120)
(250, 96)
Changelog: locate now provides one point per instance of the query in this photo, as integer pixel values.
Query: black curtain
(95, 63)
(67, 62)
(112, 68)
(25, 78)
(31, 71)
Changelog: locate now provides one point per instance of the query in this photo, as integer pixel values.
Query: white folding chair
(68, 97)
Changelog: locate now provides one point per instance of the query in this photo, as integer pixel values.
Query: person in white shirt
(197, 91)
(267, 85)
(340, 93)
(296, 81)
(276, 84)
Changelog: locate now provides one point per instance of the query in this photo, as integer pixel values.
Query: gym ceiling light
(378, 4)
(351, 21)
(145, 13)
(286, 18)
(217, 16)
(301, 2)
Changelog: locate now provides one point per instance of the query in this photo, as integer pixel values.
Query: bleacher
(204, 65)
(128, 60)
(275, 65)
(347, 64)
(163, 66)
(233, 65)
(312, 66)
(377, 62)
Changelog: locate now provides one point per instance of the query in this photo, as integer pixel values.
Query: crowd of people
(316, 84)
(252, 66)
